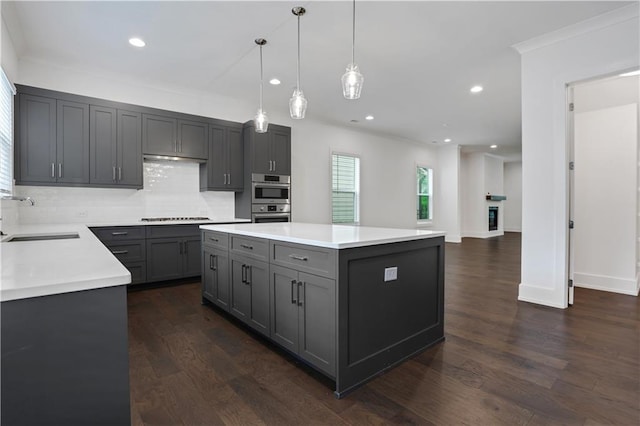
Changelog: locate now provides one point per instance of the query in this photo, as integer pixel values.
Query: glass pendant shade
(297, 105)
(261, 121)
(352, 82)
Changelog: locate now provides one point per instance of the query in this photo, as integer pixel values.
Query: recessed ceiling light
(274, 81)
(476, 89)
(447, 140)
(137, 42)
(434, 141)
(369, 117)
(354, 121)
(629, 74)
(493, 146)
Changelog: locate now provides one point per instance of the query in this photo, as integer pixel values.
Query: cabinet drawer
(138, 271)
(118, 233)
(130, 251)
(256, 248)
(215, 239)
(304, 258)
(166, 231)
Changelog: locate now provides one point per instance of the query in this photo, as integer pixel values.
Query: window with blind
(345, 199)
(424, 205)
(6, 134)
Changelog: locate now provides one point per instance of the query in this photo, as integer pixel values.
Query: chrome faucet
(29, 199)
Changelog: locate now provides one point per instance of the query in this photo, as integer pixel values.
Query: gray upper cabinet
(159, 135)
(72, 142)
(270, 153)
(224, 168)
(163, 135)
(116, 147)
(53, 142)
(192, 139)
(35, 150)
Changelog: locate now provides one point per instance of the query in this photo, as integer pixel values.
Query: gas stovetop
(167, 219)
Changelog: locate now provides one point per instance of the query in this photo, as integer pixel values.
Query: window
(345, 200)
(424, 204)
(6, 134)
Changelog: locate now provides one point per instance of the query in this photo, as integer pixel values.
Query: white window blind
(346, 188)
(6, 134)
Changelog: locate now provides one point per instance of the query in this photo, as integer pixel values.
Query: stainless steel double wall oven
(270, 198)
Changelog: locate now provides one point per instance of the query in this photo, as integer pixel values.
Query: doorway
(603, 184)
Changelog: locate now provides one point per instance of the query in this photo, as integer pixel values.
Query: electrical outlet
(391, 274)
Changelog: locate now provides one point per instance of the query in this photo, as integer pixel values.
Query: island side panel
(380, 323)
(65, 359)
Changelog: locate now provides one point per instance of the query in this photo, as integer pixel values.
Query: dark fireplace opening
(493, 218)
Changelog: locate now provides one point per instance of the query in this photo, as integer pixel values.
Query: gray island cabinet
(349, 301)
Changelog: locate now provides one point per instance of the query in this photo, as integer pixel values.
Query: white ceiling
(419, 59)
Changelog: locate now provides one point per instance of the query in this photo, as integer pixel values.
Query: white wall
(513, 191)
(600, 46)
(605, 197)
(482, 174)
(387, 174)
(447, 193)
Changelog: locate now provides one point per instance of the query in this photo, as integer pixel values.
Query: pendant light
(261, 120)
(352, 79)
(298, 103)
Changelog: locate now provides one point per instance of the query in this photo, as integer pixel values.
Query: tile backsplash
(171, 189)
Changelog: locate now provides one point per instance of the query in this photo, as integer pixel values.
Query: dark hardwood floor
(503, 361)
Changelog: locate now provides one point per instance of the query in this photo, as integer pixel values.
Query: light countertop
(42, 268)
(320, 235)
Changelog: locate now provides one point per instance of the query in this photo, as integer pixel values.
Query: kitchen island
(349, 301)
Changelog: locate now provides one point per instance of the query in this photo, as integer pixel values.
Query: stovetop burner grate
(167, 219)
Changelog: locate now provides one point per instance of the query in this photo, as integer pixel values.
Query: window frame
(417, 194)
(357, 192)
(4, 80)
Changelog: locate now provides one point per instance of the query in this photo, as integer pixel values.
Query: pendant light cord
(298, 52)
(353, 44)
(261, 78)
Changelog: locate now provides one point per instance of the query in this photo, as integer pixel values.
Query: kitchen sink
(42, 237)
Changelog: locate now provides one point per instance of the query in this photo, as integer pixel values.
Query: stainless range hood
(149, 157)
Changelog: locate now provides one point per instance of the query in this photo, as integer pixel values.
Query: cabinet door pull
(215, 262)
(213, 239)
(119, 173)
(53, 170)
(300, 298)
(248, 247)
(249, 275)
(119, 233)
(228, 179)
(224, 176)
(274, 165)
(114, 173)
(296, 257)
(119, 251)
(244, 273)
(59, 170)
(294, 286)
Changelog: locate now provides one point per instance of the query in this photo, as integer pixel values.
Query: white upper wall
(600, 46)
(9, 59)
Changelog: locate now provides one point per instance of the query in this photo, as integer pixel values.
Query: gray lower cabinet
(249, 279)
(116, 147)
(173, 251)
(215, 276)
(52, 141)
(127, 244)
(303, 316)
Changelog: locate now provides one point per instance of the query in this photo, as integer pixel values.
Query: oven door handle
(271, 185)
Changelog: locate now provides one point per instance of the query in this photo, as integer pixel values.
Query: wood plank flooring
(503, 361)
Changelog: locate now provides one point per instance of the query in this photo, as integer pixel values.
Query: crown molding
(613, 17)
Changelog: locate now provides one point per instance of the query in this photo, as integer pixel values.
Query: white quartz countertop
(43, 268)
(329, 236)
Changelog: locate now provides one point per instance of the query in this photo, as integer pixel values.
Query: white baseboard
(539, 295)
(487, 234)
(606, 283)
(512, 230)
(452, 238)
